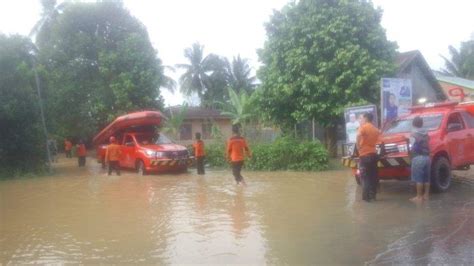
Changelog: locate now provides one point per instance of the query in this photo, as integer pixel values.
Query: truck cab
(451, 130)
(143, 147)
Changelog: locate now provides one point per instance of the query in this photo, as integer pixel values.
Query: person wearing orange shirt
(81, 152)
(199, 153)
(112, 156)
(237, 148)
(68, 148)
(367, 138)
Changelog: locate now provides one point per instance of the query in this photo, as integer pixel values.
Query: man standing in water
(81, 153)
(367, 138)
(68, 148)
(420, 161)
(199, 153)
(112, 156)
(236, 150)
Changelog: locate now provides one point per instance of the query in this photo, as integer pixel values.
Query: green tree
(239, 75)
(100, 64)
(321, 56)
(22, 143)
(461, 63)
(204, 75)
(174, 122)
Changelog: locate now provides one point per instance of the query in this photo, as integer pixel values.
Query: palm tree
(197, 71)
(461, 63)
(168, 82)
(240, 76)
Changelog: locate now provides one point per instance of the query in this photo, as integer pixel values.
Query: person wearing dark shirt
(420, 160)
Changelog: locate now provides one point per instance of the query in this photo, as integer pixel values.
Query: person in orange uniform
(237, 148)
(68, 148)
(112, 156)
(199, 153)
(81, 153)
(367, 138)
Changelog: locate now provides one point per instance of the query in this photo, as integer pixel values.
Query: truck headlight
(402, 148)
(150, 153)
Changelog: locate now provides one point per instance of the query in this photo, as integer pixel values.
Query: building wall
(421, 86)
(224, 125)
(448, 86)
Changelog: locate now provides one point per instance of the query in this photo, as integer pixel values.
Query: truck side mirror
(454, 127)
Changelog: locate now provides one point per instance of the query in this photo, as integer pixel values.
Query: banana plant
(238, 108)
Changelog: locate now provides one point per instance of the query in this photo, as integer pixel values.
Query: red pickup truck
(451, 129)
(143, 148)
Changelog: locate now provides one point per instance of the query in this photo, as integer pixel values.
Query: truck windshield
(153, 139)
(430, 122)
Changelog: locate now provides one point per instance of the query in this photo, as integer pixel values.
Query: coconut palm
(461, 63)
(168, 82)
(240, 76)
(197, 71)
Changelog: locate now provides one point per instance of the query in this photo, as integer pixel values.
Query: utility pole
(38, 88)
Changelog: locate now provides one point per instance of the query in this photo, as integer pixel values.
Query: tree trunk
(331, 140)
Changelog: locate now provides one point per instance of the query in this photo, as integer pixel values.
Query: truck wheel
(103, 163)
(141, 168)
(441, 175)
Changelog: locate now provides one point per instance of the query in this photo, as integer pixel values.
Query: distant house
(201, 119)
(449, 83)
(412, 65)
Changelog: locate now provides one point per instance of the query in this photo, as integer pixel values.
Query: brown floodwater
(84, 216)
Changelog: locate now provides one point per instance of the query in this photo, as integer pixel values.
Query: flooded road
(83, 216)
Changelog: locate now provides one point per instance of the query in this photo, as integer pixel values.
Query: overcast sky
(231, 27)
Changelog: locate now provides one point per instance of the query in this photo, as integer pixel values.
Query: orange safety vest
(199, 148)
(113, 153)
(81, 150)
(236, 147)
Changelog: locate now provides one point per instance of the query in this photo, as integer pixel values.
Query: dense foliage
(283, 154)
(100, 63)
(461, 63)
(22, 142)
(321, 56)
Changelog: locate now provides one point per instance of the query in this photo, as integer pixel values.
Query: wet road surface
(83, 216)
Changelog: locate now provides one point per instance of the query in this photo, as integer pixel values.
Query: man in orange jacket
(237, 148)
(68, 148)
(112, 156)
(367, 138)
(81, 153)
(199, 153)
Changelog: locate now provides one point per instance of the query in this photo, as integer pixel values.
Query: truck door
(469, 122)
(128, 152)
(456, 134)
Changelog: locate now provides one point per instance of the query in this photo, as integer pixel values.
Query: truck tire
(441, 175)
(141, 168)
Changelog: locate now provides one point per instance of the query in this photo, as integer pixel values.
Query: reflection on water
(83, 216)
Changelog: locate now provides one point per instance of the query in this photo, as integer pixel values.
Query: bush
(283, 154)
(215, 155)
